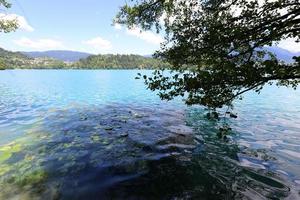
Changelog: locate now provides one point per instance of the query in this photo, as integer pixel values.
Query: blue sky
(81, 25)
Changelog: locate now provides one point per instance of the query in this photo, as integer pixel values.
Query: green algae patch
(4, 156)
(95, 138)
(32, 178)
(4, 169)
(29, 185)
(67, 145)
(21, 168)
(7, 151)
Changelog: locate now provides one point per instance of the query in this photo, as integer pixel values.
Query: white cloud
(118, 26)
(290, 45)
(99, 43)
(147, 36)
(23, 24)
(39, 44)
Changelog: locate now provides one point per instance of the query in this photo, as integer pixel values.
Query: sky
(81, 25)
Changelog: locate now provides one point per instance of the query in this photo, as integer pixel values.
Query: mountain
(46, 60)
(283, 54)
(17, 60)
(148, 56)
(74, 56)
(66, 56)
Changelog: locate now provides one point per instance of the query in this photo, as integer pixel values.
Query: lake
(101, 135)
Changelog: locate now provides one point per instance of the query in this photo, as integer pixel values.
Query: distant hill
(66, 56)
(17, 60)
(119, 61)
(10, 58)
(148, 56)
(78, 60)
(5, 54)
(283, 54)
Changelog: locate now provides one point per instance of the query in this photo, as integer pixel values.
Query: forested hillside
(66, 56)
(11, 59)
(17, 60)
(110, 61)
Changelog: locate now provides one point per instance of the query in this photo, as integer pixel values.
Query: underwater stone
(147, 148)
(182, 130)
(124, 135)
(137, 115)
(108, 128)
(175, 147)
(233, 115)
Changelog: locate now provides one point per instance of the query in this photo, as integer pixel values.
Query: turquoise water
(101, 135)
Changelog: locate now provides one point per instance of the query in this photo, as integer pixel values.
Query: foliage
(215, 47)
(2, 64)
(119, 62)
(16, 60)
(11, 59)
(6, 25)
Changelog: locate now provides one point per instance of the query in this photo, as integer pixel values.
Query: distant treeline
(110, 61)
(16, 60)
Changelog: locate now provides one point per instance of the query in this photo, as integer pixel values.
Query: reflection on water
(131, 152)
(240, 169)
(101, 135)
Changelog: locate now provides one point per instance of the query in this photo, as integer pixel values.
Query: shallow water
(101, 135)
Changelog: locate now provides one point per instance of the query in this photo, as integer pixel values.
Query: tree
(6, 25)
(216, 47)
(2, 65)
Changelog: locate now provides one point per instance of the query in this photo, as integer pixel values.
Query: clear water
(101, 135)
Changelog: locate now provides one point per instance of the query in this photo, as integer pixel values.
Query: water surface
(101, 135)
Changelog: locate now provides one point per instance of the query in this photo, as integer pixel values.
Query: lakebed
(90, 134)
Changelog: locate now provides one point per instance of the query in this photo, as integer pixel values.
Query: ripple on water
(107, 151)
(139, 150)
(291, 153)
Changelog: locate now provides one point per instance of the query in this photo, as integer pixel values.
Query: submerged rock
(136, 115)
(233, 115)
(182, 130)
(175, 147)
(108, 128)
(124, 135)
(83, 118)
(99, 141)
